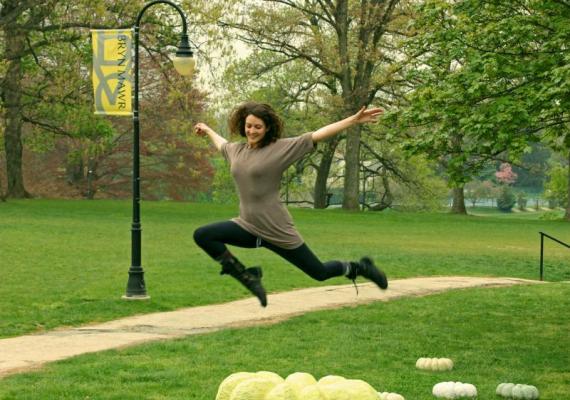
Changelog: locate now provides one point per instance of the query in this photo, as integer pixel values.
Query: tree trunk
(15, 46)
(323, 171)
(74, 172)
(91, 177)
(2, 196)
(387, 198)
(458, 205)
(2, 192)
(567, 215)
(352, 169)
(351, 158)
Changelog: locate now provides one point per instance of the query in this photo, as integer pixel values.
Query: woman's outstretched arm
(203, 129)
(363, 116)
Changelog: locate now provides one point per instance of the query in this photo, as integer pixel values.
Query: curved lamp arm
(152, 3)
(183, 61)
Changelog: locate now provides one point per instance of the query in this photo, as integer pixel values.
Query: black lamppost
(184, 64)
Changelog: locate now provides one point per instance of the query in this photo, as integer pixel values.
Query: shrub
(506, 199)
(557, 187)
(521, 201)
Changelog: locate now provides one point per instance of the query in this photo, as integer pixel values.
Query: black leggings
(214, 237)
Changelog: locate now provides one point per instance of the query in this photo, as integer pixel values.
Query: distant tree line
(466, 85)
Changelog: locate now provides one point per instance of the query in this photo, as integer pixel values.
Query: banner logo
(112, 71)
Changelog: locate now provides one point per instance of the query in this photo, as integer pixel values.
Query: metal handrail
(542, 235)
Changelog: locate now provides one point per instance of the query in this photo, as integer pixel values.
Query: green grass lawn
(516, 334)
(530, 213)
(65, 263)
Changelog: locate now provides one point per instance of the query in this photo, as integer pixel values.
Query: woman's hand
(361, 117)
(202, 129)
(367, 115)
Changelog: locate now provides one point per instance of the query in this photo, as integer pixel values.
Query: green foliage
(425, 191)
(57, 103)
(333, 54)
(556, 189)
(486, 77)
(532, 172)
(506, 199)
(287, 88)
(551, 216)
(479, 190)
(223, 186)
(521, 200)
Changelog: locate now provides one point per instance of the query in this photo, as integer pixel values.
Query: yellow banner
(112, 71)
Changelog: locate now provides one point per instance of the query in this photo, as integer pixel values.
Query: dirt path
(23, 353)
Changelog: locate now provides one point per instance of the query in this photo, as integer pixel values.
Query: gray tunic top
(257, 174)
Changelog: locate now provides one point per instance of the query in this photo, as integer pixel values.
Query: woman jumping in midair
(257, 167)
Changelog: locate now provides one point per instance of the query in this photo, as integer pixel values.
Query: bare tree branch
(271, 43)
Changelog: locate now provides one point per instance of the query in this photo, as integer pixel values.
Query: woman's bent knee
(201, 236)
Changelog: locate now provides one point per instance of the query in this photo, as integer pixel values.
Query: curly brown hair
(262, 111)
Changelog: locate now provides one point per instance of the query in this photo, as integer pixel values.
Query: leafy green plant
(521, 201)
(557, 186)
(506, 199)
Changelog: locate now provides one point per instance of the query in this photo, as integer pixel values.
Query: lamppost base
(136, 297)
(136, 288)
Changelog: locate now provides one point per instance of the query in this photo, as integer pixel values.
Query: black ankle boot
(249, 277)
(366, 268)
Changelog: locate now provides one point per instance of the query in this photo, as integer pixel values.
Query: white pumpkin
(390, 396)
(253, 389)
(349, 389)
(272, 376)
(311, 393)
(330, 379)
(454, 390)
(300, 380)
(505, 389)
(282, 391)
(434, 364)
(445, 364)
(517, 391)
(228, 385)
(266, 385)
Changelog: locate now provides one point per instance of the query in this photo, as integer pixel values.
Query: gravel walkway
(23, 353)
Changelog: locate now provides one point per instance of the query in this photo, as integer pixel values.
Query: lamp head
(183, 60)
